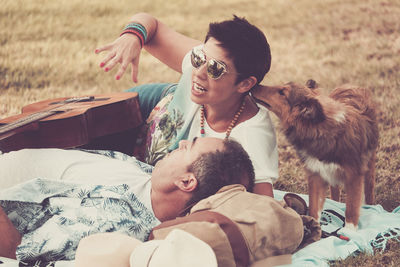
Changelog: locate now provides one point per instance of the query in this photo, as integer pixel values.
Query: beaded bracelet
(135, 32)
(137, 29)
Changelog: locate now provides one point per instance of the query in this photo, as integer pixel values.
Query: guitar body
(107, 121)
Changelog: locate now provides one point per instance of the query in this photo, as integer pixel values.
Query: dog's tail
(357, 97)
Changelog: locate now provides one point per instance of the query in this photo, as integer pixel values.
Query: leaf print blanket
(53, 216)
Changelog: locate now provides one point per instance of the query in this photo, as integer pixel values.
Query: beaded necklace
(231, 125)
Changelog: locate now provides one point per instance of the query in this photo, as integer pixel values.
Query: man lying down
(77, 193)
(51, 198)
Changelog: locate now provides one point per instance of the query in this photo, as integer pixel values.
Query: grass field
(47, 50)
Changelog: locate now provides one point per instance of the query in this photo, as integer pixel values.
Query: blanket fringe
(381, 239)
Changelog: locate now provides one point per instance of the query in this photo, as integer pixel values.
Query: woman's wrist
(138, 30)
(144, 25)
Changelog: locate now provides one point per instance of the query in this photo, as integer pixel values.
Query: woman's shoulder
(261, 119)
(257, 130)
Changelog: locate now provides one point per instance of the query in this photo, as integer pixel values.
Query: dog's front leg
(354, 187)
(316, 194)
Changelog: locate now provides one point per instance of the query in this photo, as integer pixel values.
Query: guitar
(107, 121)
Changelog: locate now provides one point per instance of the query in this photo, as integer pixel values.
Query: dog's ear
(284, 91)
(311, 84)
(311, 110)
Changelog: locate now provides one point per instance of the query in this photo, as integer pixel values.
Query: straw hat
(178, 249)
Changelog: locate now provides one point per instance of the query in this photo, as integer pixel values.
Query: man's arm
(10, 238)
(164, 43)
(263, 189)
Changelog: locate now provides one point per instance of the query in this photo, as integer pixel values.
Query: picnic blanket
(376, 227)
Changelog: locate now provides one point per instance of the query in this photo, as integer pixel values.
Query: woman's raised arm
(161, 41)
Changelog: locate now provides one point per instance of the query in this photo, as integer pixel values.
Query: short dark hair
(246, 45)
(214, 170)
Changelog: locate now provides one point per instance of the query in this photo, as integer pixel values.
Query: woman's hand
(164, 43)
(124, 50)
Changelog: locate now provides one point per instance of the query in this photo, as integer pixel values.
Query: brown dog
(335, 136)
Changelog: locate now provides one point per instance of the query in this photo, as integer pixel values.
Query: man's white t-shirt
(74, 166)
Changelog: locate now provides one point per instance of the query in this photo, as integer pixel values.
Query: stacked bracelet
(136, 29)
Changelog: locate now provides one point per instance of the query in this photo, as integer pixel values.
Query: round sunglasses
(215, 68)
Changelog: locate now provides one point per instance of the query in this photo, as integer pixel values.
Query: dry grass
(47, 51)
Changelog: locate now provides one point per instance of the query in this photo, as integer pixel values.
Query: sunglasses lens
(215, 69)
(197, 58)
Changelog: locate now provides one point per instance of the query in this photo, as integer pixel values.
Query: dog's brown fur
(335, 136)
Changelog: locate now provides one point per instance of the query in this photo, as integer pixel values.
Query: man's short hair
(246, 45)
(214, 170)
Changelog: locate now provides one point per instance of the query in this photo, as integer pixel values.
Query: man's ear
(247, 84)
(187, 183)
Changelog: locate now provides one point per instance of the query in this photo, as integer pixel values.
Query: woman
(211, 98)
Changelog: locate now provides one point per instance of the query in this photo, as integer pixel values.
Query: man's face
(176, 163)
(206, 90)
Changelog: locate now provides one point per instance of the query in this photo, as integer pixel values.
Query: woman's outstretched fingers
(121, 70)
(105, 60)
(103, 48)
(110, 64)
(124, 50)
